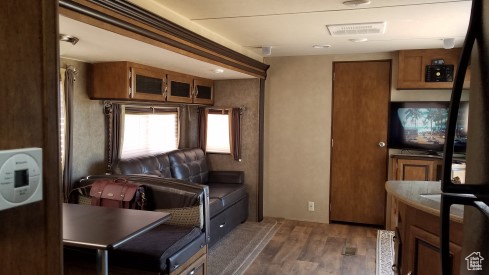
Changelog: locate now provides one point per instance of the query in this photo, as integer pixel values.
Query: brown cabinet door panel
(361, 95)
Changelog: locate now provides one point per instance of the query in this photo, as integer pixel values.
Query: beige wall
(88, 127)
(241, 93)
(298, 97)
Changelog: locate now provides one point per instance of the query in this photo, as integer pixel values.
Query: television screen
(422, 126)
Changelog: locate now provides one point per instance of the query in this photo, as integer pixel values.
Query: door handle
(381, 144)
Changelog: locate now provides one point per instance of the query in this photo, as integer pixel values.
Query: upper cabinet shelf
(130, 81)
(412, 68)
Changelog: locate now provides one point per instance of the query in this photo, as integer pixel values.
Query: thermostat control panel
(20, 177)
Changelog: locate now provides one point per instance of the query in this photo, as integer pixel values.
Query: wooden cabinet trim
(412, 68)
(203, 82)
(117, 80)
(418, 236)
(431, 165)
(182, 79)
(138, 70)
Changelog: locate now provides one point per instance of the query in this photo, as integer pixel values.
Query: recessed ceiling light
(218, 71)
(320, 46)
(354, 3)
(357, 40)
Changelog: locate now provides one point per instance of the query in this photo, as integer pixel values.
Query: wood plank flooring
(315, 248)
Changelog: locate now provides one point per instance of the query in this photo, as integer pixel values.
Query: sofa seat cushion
(158, 165)
(227, 194)
(189, 165)
(150, 251)
(215, 206)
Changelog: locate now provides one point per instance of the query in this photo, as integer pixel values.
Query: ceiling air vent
(357, 29)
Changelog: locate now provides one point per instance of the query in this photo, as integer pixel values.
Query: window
(147, 133)
(218, 133)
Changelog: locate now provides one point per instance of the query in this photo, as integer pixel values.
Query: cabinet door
(412, 68)
(424, 257)
(415, 169)
(147, 85)
(179, 89)
(203, 91)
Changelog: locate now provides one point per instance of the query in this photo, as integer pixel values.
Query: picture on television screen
(422, 125)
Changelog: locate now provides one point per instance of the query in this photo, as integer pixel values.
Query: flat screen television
(420, 125)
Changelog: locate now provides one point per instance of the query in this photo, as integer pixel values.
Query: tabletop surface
(103, 227)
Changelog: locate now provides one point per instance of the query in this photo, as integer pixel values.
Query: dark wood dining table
(104, 228)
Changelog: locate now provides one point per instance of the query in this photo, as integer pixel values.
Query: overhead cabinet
(413, 72)
(132, 81)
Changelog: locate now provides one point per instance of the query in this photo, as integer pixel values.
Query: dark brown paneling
(30, 239)
(261, 150)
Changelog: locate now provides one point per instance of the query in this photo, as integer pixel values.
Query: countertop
(422, 195)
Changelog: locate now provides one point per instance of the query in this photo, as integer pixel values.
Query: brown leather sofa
(228, 198)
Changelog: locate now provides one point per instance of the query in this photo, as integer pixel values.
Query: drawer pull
(192, 272)
(222, 225)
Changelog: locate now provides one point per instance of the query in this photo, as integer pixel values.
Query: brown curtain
(69, 87)
(235, 133)
(113, 115)
(203, 127)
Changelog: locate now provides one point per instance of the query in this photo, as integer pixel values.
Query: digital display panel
(21, 178)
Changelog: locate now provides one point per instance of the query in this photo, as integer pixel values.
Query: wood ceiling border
(129, 17)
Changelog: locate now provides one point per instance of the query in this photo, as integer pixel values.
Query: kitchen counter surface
(422, 195)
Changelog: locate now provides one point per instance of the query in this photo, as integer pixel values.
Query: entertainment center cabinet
(415, 167)
(423, 168)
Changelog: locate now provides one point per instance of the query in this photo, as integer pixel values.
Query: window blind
(218, 134)
(149, 134)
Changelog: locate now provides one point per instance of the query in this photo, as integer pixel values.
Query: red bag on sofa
(118, 193)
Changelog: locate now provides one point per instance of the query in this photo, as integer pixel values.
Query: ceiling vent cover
(357, 29)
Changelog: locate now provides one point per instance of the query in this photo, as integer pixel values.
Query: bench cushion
(222, 196)
(150, 251)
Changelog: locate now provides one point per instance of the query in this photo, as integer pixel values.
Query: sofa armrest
(233, 177)
(166, 193)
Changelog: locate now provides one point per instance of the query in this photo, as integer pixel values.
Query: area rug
(385, 252)
(236, 251)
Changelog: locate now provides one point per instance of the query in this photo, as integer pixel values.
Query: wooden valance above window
(130, 20)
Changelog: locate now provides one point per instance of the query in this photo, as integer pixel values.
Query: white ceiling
(291, 27)
(98, 45)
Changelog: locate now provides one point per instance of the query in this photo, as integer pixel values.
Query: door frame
(332, 127)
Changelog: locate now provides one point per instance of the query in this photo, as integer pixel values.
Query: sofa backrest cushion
(158, 165)
(189, 165)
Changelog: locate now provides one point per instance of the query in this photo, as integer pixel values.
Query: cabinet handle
(196, 90)
(381, 144)
(192, 272)
(222, 225)
(410, 273)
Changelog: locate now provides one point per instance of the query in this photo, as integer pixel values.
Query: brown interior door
(361, 95)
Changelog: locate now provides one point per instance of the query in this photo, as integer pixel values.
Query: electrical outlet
(311, 206)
